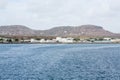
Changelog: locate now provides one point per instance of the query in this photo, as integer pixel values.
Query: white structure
(34, 40)
(42, 40)
(26, 40)
(64, 40)
(51, 41)
(58, 39)
(115, 40)
(107, 39)
(4, 39)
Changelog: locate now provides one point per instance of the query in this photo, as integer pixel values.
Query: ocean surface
(59, 61)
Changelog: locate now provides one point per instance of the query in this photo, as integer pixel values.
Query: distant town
(59, 40)
(62, 34)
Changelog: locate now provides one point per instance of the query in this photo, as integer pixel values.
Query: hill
(16, 30)
(83, 30)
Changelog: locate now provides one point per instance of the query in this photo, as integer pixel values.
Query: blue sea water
(60, 62)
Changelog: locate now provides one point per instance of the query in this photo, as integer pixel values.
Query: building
(107, 39)
(65, 40)
(115, 40)
(42, 40)
(34, 40)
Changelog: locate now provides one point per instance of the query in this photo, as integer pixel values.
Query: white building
(64, 40)
(42, 40)
(26, 40)
(3, 39)
(51, 41)
(107, 39)
(115, 40)
(34, 40)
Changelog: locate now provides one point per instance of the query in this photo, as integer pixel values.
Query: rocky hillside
(16, 30)
(84, 30)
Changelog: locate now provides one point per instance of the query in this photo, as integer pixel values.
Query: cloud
(39, 14)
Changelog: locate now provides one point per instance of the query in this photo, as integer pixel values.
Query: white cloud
(41, 14)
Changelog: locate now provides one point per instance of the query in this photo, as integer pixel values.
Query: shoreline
(65, 43)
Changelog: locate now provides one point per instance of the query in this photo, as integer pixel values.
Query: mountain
(83, 30)
(16, 30)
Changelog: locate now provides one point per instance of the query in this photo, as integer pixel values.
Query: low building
(107, 39)
(51, 41)
(26, 40)
(116, 40)
(42, 40)
(65, 40)
(34, 40)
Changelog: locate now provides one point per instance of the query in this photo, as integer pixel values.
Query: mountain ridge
(83, 30)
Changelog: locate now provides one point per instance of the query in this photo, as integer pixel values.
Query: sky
(46, 14)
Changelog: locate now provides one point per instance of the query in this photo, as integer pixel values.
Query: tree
(16, 40)
(38, 38)
(1, 40)
(76, 39)
(9, 40)
(88, 40)
(101, 39)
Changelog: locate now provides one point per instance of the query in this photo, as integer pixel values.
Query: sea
(59, 61)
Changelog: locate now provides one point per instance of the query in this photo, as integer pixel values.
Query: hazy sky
(45, 14)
